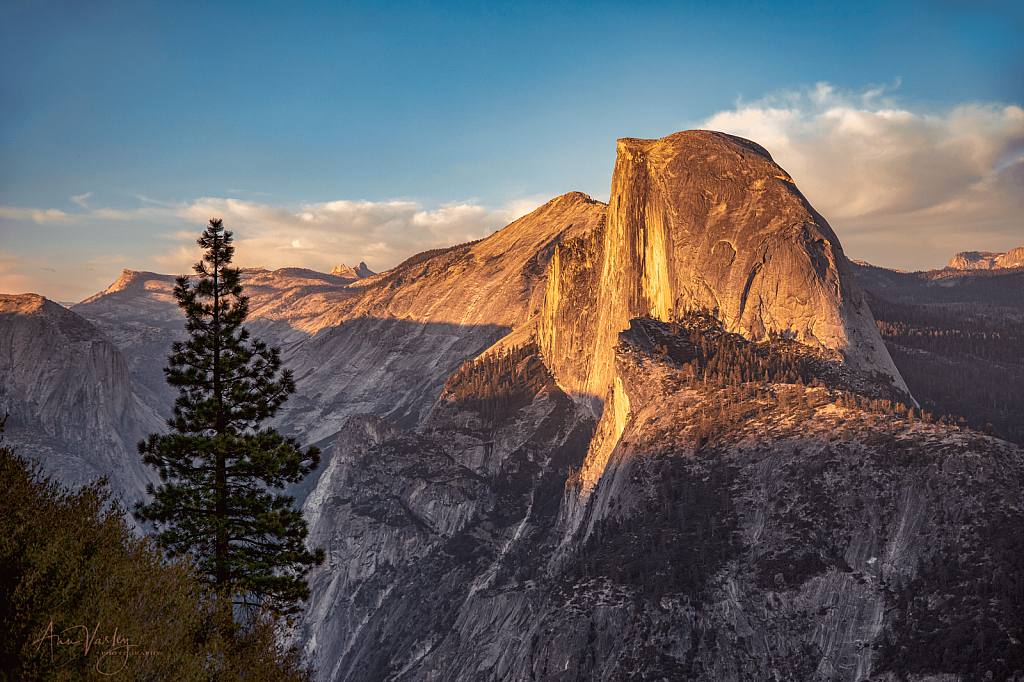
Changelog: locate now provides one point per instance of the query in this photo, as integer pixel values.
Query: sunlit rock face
(704, 220)
(67, 391)
(772, 532)
(496, 281)
(375, 343)
(389, 348)
(987, 260)
(358, 272)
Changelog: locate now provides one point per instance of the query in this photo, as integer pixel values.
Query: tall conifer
(218, 468)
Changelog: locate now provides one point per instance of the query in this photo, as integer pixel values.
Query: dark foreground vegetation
(82, 597)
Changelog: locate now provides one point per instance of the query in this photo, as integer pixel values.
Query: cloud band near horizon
(902, 187)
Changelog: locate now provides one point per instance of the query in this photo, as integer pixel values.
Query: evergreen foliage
(218, 466)
(962, 360)
(671, 542)
(714, 358)
(963, 612)
(82, 597)
(498, 385)
(741, 384)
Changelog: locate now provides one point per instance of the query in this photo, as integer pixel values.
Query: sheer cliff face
(706, 220)
(415, 524)
(754, 532)
(383, 344)
(496, 281)
(67, 390)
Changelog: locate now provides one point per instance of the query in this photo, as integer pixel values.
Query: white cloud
(902, 187)
(177, 261)
(38, 215)
(80, 199)
(53, 215)
(147, 200)
(322, 235)
(316, 236)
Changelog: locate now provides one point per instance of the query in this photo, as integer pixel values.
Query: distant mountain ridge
(957, 337)
(985, 260)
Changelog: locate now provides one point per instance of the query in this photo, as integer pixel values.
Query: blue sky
(330, 132)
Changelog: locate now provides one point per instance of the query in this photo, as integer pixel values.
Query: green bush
(82, 597)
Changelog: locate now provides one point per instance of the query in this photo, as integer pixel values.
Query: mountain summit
(986, 260)
(704, 220)
(358, 272)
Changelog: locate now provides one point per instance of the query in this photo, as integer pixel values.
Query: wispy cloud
(38, 215)
(321, 235)
(80, 199)
(147, 200)
(53, 215)
(903, 187)
(316, 235)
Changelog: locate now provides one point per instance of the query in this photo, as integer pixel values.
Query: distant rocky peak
(987, 260)
(136, 280)
(358, 272)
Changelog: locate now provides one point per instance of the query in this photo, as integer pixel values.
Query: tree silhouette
(217, 466)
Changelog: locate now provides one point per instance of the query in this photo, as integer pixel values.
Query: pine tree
(218, 468)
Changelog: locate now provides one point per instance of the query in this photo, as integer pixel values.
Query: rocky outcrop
(382, 344)
(383, 366)
(987, 260)
(754, 531)
(496, 281)
(389, 349)
(358, 272)
(971, 260)
(415, 525)
(704, 220)
(820, 517)
(69, 397)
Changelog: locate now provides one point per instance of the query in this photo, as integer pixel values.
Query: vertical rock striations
(66, 388)
(704, 220)
(418, 528)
